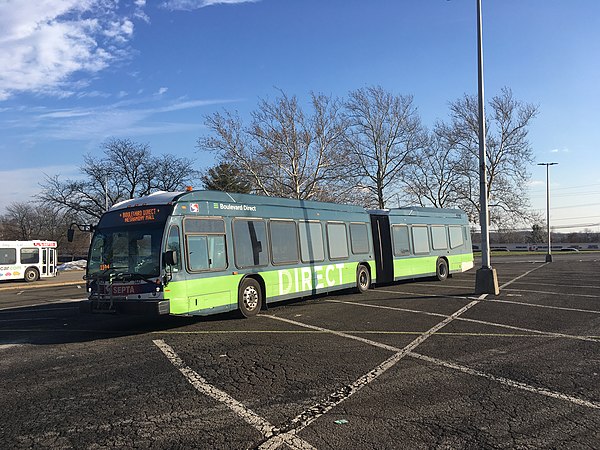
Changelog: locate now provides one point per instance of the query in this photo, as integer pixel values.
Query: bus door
(48, 261)
(51, 261)
(382, 241)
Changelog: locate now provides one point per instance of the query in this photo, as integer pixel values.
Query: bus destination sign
(140, 215)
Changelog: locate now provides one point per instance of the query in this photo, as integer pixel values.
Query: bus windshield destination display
(140, 215)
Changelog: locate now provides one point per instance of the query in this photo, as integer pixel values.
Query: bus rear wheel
(31, 274)
(363, 279)
(249, 298)
(441, 269)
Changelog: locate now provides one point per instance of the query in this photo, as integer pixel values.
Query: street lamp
(549, 254)
(486, 280)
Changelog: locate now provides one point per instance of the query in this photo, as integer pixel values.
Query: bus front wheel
(249, 298)
(31, 274)
(363, 279)
(441, 269)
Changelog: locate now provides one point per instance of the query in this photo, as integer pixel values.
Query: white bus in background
(27, 260)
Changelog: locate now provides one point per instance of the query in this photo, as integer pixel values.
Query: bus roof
(418, 211)
(199, 196)
(173, 198)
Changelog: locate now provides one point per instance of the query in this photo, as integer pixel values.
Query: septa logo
(194, 207)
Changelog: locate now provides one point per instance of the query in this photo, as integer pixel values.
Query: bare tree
(385, 136)
(126, 170)
(285, 151)
(432, 180)
(509, 155)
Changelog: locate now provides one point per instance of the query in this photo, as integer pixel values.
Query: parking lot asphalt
(408, 365)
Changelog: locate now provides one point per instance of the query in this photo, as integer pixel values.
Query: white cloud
(44, 43)
(124, 118)
(557, 150)
(188, 5)
(162, 90)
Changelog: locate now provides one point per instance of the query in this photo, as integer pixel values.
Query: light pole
(486, 280)
(549, 254)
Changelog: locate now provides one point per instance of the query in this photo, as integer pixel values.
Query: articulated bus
(27, 260)
(203, 252)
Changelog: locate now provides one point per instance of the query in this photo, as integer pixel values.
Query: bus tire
(31, 274)
(363, 279)
(441, 269)
(249, 297)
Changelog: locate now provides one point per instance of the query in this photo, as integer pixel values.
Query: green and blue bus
(205, 252)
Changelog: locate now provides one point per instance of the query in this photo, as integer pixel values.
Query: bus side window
(30, 256)
(420, 238)
(337, 240)
(359, 238)
(8, 256)
(439, 238)
(205, 244)
(174, 244)
(250, 243)
(311, 242)
(400, 240)
(197, 252)
(284, 242)
(456, 236)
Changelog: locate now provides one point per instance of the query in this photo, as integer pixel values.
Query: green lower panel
(412, 267)
(220, 292)
(460, 263)
(425, 266)
(203, 293)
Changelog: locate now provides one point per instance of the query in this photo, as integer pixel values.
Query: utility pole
(486, 281)
(549, 254)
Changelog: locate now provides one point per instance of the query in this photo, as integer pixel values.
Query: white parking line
(481, 322)
(537, 305)
(522, 276)
(571, 294)
(571, 286)
(508, 382)
(64, 300)
(260, 424)
(310, 415)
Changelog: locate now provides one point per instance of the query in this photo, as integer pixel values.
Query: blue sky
(76, 72)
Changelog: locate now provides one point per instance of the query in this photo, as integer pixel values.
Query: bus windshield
(130, 252)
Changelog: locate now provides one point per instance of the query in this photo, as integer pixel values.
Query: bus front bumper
(136, 307)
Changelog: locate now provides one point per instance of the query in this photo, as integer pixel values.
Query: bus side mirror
(70, 234)
(170, 257)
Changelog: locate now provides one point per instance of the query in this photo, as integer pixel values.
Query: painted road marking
(543, 283)
(8, 310)
(537, 305)
(260, 424)
(308, 416)
(522, 276)
(64, 300)
(508, 382)
(31, 319)
(481, 322)
(354, 332)
(571, 294)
